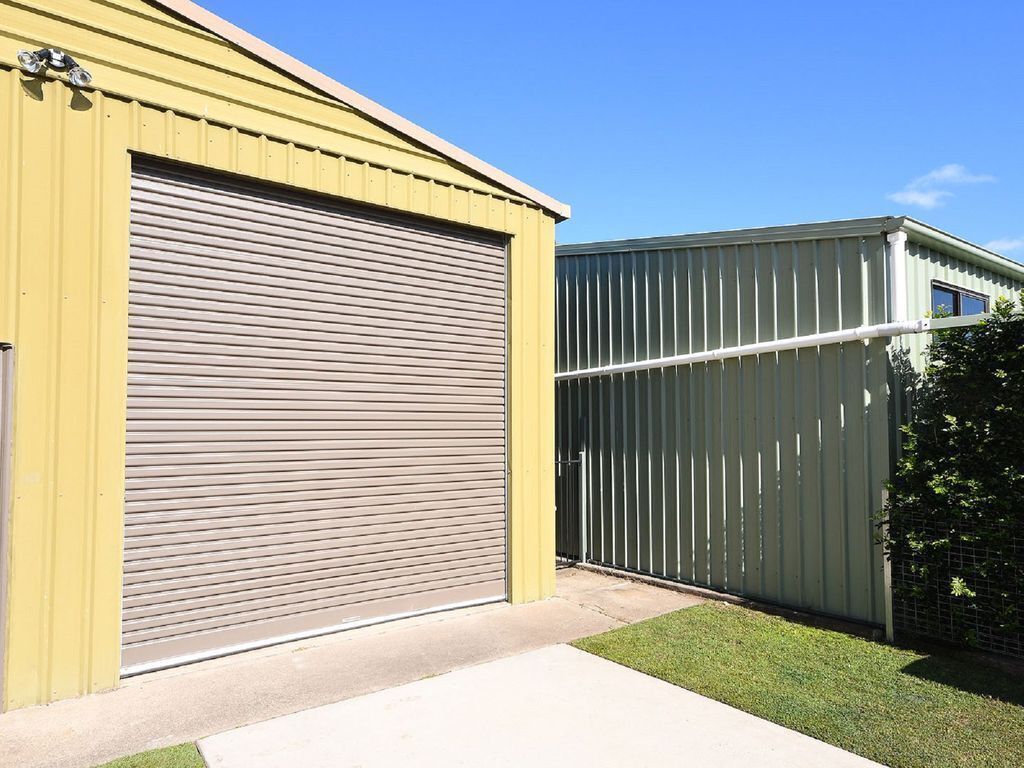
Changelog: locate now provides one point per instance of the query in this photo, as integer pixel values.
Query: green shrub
(955, 510)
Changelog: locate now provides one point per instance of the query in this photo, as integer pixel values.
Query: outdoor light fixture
(34, 62)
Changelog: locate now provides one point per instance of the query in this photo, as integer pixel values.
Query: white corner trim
(898, 275)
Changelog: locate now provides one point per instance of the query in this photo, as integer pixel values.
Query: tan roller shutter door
(316, 417)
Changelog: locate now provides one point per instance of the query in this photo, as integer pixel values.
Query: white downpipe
(898, 300)
(760, 348)
(898, 271)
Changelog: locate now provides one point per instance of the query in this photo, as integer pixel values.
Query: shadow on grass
(971, 672)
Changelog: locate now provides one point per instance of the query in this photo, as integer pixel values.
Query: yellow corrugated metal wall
(64, 179)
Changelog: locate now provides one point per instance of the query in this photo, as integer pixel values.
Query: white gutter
(762, 347)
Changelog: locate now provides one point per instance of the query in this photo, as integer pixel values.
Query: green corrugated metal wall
(925, 264)
(756, 475)
(749, 475)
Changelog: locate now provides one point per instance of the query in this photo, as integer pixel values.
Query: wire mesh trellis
(989, 613)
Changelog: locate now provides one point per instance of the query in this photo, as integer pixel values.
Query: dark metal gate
(570, 510)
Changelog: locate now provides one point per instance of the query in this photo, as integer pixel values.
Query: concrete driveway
(190, 702)
(551, 707)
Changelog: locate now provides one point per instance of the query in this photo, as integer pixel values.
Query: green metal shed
(735, 399)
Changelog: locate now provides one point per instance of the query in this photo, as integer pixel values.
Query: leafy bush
(955, 511)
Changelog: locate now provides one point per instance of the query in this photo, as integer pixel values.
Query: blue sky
(661, 117)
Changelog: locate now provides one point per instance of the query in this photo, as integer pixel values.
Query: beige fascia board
(303, 72)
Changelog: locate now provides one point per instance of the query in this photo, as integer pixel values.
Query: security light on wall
(54, 58)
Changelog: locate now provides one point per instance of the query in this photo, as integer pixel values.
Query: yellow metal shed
(179, 92)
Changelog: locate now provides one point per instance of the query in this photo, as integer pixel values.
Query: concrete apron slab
(622, 599)
(190, 702)
(554, 706)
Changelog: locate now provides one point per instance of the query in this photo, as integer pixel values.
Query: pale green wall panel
(925, 265)
(754, 475)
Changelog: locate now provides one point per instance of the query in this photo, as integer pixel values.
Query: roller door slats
(151, 538)
(162, 603)
(374, 227)
(140, 451)
(307, 296)
(340, 496)
(158, 594)
(314, 540)
(181, 202)
(343, 338)
(230, 485)
(305, 597)
(199, 434)
(190, 564)
(411, 294)
(295, 565)
(335, 248)
(190, 409)
(183, 623)
(235, 575)
(427, 504)
(271, 473)
(284, 332)
(148, 294)
(154, 307)
(239, 453)
(151, 299)
(290, 391)
(288, 464)
(316, 414)
(263, 522)
(161, 607)
(142, 372)
(405, 413)
(367, 366)
(217, 258)
(145, 349)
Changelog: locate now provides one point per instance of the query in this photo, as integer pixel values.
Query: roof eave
(297, 69)
(809, 231)
(936, 238)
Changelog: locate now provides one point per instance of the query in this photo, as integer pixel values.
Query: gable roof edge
(297, 69)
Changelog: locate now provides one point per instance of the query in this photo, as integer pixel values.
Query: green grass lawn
(181, 756)
(896, 706)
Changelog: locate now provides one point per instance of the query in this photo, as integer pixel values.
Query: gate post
(583, 506)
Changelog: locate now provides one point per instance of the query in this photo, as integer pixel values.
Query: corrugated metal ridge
(303, 72)
(788, 232)
(943, 241)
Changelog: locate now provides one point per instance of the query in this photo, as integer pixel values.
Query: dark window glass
(943, 301)
(948, 300)
(972, 305)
